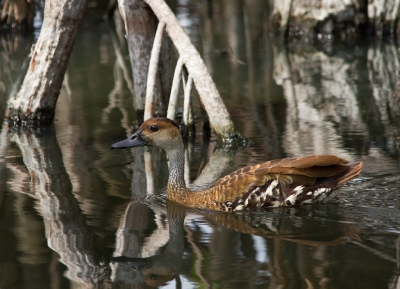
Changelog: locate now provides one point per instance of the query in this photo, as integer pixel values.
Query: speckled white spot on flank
(239, 208)
(291, 199)
(319, 191)
(298, 189)
(273, 184)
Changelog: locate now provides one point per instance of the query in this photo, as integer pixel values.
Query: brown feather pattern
(286, 182)
(283, 182)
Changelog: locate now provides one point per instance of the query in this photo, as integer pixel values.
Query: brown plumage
(284, 182)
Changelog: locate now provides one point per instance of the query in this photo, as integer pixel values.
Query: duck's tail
(353, 171)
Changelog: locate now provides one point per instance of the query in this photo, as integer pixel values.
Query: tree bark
(316, 19)
(36, 100)
(152, 75)
(140, 27)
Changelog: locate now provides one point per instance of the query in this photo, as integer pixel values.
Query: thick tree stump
(322, 20)
(36, 100)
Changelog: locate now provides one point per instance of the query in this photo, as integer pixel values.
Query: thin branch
(186, 102)
(148, 162)
(173, 99)
(153, 66)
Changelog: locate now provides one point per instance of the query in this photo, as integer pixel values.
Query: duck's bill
(134, 141)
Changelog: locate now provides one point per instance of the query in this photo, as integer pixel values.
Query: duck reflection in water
(159, 269)
(282, 226)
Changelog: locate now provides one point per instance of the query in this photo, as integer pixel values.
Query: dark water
(65, 210)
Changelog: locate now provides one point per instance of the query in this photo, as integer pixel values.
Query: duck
(283, 182)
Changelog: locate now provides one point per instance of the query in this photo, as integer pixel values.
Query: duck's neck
(176, 180)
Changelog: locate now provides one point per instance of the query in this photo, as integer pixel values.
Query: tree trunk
(140, 27)
(36, 100)
(315, 19)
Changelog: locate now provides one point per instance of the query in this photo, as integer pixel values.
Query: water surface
(66, 209)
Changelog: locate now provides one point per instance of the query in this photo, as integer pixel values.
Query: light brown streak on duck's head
(161, 132)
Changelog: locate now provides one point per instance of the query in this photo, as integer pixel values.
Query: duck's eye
(153, 276)
(154, 127)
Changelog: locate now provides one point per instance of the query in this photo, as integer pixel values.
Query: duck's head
(160, 131)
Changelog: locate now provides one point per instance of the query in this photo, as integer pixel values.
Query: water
(65, 198)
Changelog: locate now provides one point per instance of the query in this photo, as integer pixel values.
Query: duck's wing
(288, 181)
